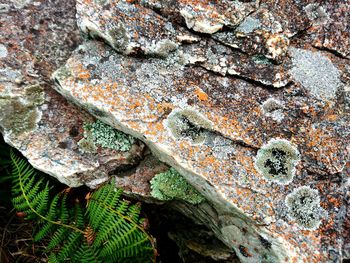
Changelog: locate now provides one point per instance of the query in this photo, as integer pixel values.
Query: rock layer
(36, 38)
(210, 126)
(248, 100)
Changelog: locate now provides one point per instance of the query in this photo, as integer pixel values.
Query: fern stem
(130, 220)
(15, 162)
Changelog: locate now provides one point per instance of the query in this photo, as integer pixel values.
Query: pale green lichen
(101, 134)
(171, 185)
(276, 161)
(188, 124)
(304, 207)
(87, 145)
(20, 114)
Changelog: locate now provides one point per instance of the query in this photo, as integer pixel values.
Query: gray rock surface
(249, 101)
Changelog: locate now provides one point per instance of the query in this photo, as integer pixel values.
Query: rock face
(249, 101)
(36, 38)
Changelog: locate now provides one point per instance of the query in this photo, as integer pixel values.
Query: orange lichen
(202, 96)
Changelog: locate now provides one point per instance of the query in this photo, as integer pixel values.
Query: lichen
(276, 161)
(304, 207)
(315, 72)
(248, 25)
(16, 117)
(171, 185)
(188, 124)
(87, 145)
(20, 115)
(101, 134)
(35, 94)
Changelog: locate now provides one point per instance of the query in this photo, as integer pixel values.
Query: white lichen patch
(304, 207)
(315, 72)
(277, 45)
(162, 48)
(316, 13)
(188, 124)
(200, 23)
(273, 108)
(276, 161)
(3, 51)
(248, 25)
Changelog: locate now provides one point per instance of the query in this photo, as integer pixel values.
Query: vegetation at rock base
(107, 229)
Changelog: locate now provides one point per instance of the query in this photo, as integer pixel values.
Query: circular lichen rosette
(276, 161)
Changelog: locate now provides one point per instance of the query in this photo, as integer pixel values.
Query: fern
(107, 230)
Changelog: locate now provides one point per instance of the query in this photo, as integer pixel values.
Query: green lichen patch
(87, 145)
(188, 124)
(101, 134)
(16, 117)
(35, 94)
(304, 207)
(276, 161)
(171, 185)
(20, 114)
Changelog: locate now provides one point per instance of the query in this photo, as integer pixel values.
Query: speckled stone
(36, 38)
(205, 84)
(207, 106)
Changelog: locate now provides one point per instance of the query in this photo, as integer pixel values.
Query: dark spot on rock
(276, 166)
(91, 67)
(74, 131)
(97, 112)
(266, 244)
(63, 145)
(244, 251)
(103, 60)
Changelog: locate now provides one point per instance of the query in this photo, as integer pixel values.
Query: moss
(188, 124)
(101, 134)
(171, 185)
(304, 207)
(276, 161)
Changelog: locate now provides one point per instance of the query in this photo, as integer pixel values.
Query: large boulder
(37, 37)
(248, 100)
(249, 110)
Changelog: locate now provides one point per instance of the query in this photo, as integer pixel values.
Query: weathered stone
(36, 38)
(196, 81)
(222, 109)
(331, 26)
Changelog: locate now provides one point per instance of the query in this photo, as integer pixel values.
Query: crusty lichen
(188, 124)
(20, 114)
(276, 161)
(171, 185)
(101, 134)
(304, 207)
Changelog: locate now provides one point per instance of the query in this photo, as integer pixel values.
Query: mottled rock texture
(248, 100)
(36, 38)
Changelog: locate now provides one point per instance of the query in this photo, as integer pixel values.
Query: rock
(37, 38)
(211, 127)
(249, 101)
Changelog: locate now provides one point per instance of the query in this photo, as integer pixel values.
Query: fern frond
(70, 245)
(87, 254)
(117, 225)
(110, 229)
(57, 238)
